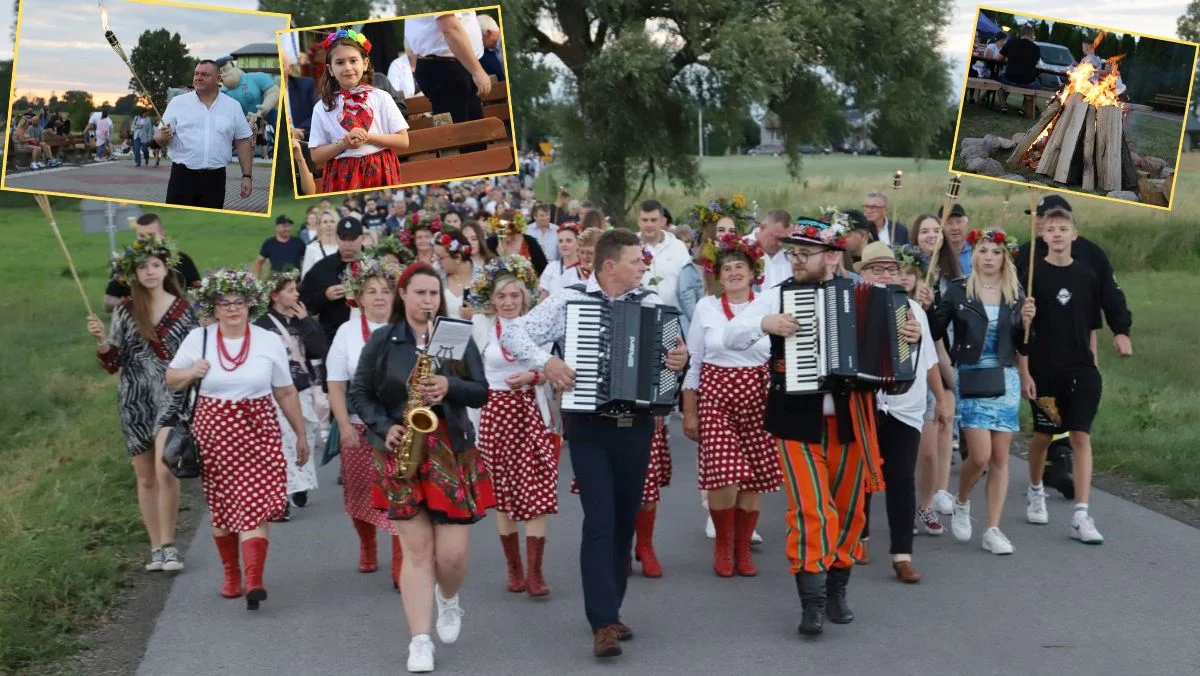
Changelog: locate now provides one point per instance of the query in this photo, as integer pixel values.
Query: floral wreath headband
(508, 222)
(995, 236)
(911, 256)
(729, 243)
(449, 243)
(408, 236)
(832, 233)
(392, 245)
(126, 262)
(278, 280)
(357, 274)
(230, 282)
(347, 34)
(719, 208)
(479, 295)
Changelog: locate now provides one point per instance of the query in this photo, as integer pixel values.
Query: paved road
(1055, 607)
(122, 180)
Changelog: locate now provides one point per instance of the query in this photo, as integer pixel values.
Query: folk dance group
(498, 435)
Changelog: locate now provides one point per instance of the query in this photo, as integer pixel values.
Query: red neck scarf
(355, 111)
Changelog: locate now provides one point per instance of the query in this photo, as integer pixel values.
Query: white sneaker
(1035, 506)
(943, 503)
(420, 654)
(449, 616)
(1083, 528)
(960, 521)
(156, 560)
(710, 530)
(996, 542)
(755, 538)
(171, 561)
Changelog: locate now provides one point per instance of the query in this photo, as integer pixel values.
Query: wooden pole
(44, 202)
(947, 202)
(1032, 248)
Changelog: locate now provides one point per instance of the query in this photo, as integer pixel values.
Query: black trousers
(196, 187)
(610, 465)
(898, 445)
(449, 87)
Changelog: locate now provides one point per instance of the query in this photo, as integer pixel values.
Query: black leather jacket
(970, 326)
(379, 392)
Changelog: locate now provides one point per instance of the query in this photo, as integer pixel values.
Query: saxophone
(419, 419)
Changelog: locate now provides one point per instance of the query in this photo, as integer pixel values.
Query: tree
(319, 12)
(125, 105)
(161, 60)
(78, 106)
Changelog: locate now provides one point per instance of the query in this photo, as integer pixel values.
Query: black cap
(349, 228)
(282, 218)
(858, 221)
(1051, 202)
(956, 210)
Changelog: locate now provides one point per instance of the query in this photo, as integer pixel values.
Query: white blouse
(497, 368)
(706, 341)
(314, 253)
(265, 367)
(342, 360)
(327, 127)
(556, 276)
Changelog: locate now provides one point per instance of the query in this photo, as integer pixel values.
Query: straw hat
(873, 253)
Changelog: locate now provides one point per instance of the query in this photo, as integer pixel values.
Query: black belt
(437, 58)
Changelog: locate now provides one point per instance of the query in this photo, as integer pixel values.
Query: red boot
(512, 554)
(397, 561)
(723, 520)
(227, 546)
(254, 551)
(535, 547)
(644, 549)
(368, 554)
(744, 524)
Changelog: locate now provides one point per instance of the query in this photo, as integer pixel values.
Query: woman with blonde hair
(324, 244)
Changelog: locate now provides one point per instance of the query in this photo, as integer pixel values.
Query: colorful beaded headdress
(995, 236)
(230, 282)
(126, 262)
(348, 34)
(728, 243)
(479, 296)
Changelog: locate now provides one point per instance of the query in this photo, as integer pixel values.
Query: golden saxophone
(419, 419)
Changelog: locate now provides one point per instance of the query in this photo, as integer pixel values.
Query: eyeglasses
(797, 256)
(883, 268)
(874, 206)
(236, 302)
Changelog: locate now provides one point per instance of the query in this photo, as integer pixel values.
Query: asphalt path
(1056, 606)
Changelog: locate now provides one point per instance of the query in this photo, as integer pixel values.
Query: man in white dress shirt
(670, 254)
(200, 129)
(545, 232)
(769, 234)
(448, 48)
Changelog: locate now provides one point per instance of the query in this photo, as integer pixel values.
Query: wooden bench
(419, 163)
(1170, 101)
(1031, 95)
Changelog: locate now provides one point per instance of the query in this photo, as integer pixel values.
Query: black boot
(812, 600)
(835, 596)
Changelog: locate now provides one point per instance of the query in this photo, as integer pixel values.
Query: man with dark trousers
(610, 454)
(322, 290)
(448, 49)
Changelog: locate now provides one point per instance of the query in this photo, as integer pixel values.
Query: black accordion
(849, 338)
(617, 349)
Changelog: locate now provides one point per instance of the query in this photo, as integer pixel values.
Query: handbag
(981, 383)
(181, 451)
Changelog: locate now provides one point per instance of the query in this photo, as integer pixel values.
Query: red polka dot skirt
(359, 478)
(243, 470)
(658, 473)
(520, 454)
(734, 447)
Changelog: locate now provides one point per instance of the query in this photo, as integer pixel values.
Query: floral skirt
(450, 489)
(377, 170)
(301, 477)
(520, 454)
(244, 471)
(658, 473)
(734, 447)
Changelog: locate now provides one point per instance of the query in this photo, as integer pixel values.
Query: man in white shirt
(670, 254)
(769, 234)
(545, 232)
(200, 128)
(448, 48)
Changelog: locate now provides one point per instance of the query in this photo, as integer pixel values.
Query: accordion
(617, 349)
(849, 338)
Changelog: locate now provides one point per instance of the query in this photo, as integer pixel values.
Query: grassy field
(70, 538)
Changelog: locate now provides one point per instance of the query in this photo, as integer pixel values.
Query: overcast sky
(70, 30)
(63, 47)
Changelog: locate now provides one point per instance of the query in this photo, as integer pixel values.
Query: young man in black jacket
(322, 289)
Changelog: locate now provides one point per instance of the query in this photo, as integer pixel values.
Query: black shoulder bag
(181, 452)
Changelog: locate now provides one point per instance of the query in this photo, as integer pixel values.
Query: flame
(1097, 88)
(104, 17)
(1099, 37)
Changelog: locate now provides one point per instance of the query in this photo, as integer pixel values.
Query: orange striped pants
(825, 485)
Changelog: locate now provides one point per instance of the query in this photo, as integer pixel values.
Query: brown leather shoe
(864, 556)
(607, 642)
(905, 572)
(623, 631)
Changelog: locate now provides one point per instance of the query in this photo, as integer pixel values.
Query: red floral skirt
(658, 473)
(448, 488)
(734, 447)
(377, 170)
(243, 468)
(520, 454)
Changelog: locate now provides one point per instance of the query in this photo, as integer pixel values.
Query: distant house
(770, 134)
(259, 57)
(858, 140)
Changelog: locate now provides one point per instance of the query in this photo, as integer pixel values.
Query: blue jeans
(1036, 84)
(140, 150)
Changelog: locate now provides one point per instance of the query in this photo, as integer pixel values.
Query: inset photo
(152, 104)
(1075, 107)
(394, 102)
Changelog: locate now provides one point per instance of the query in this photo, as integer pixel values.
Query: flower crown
(729, 243)
(230, 282)
(356, 275)
(408, 236)
(573, 226)
(911, 256)
(278, 279)
(126, 263)
(719, 208)
(449, 243)
(507, 222)
(348, 34)
(392, 245)
(479, 295)
(995, 236)
(832, 233)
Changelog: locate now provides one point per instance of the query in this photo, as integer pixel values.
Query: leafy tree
(1188, 28)
(78, 106)
(161, 60)
(319, 12)
(125, 105)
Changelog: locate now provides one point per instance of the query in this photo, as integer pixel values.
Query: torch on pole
(116, 45)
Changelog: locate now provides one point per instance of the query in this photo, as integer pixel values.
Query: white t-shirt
(204, 136)
(706, 341)
(313, 253)
(909, 408)
(556, 276)
(548, 240)
(495, 366)
(342, 360)
(424, 38)
(400, 75)
(327, 126)
(265, 367)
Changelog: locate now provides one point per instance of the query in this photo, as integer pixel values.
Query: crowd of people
(320, 357)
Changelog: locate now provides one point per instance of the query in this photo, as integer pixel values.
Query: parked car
(1058, 59)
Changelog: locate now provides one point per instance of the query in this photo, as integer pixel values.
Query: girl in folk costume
(508, 237)
(988, 312)
(724, 402)
(418, 237)
(244, 469)
(477, 238)
(453, 255)
(371, 284)
(325, 244)
(448, 489)
(147, 328)
(356, 128)
(305, 342)
(515, 439)
(565, 270)
(392, 251)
